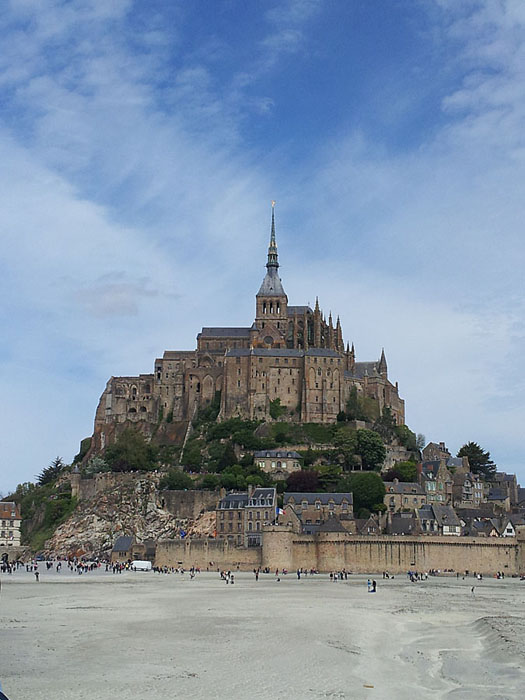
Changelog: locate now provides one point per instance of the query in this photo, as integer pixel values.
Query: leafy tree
(96, 465)
(233, 478)
(176, 480)
(192, 456)
(479, 460)
(130, 452)
(367, 487)
(404, 471)
(385, 425)
(276, 410)
(209, 482)
(420, 441)
(52, 472)
(371, 449)
(406, 437)
(329, 477)
(303, 481)
(228, 457)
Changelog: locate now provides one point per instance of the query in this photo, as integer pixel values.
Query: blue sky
(141, 145)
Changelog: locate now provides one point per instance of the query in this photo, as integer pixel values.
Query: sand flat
(166, 636)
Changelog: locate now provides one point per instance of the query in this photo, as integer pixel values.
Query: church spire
(273, 260)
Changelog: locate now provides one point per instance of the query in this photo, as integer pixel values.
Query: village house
(10, 522)
(278, 463)
(467, 489)
(240, 517)
(437, 482)
(315, 508)
(509, 484)
(402, 524)
(435, 451)
(499, 498)
(403, 495)
(439, 520)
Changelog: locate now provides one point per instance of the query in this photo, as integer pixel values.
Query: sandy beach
(145, 635)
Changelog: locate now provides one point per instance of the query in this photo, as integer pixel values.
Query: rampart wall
(360, 554)
(207, 553)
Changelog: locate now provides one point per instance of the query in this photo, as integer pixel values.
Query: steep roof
(363, 368)
(233, 500)
(272, 285)
(298, 310)
(404, 487)
(324, 498)
(225, 332)
(123, 543)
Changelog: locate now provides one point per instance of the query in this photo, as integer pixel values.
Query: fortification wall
(207, 553)
(362, 554)
(87, 488)
(189, 504)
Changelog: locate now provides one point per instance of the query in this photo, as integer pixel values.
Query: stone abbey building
(290, 353)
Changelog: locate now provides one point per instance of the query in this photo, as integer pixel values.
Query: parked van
(138, 565)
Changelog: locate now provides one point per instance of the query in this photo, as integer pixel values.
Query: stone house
(509, 484)
(241, 517)
(467, 489)
(279, 463)
(435, 451)
(10, 522)
(402, 524)
(403, 495)
(439, 520)
(437, 481)
(316, 508)
(123, 549)
(509, 524)
(499, 498)
(367, 526)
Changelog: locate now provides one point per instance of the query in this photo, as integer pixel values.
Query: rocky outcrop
(129, 505)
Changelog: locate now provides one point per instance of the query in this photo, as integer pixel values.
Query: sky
(141, 144)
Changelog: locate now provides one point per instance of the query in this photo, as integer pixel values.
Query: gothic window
(198, 387)
(264, 307)
(319, 371)
(271, 307)
(278, 311)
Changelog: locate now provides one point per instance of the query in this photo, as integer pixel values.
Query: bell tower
(271, 312)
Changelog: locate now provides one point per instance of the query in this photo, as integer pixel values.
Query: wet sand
(144, 635)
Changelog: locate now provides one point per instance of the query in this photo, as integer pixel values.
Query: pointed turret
(272, 285)
(271, 299)
(382, 367)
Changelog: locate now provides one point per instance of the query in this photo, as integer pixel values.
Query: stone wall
(202, 552)
(188, 504)
(328, 551)
(84, 489)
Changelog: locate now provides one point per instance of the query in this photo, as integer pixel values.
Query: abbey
(291, 360)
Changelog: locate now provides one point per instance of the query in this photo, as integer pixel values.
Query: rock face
(128, 506)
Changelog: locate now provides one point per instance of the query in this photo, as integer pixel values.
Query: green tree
(479, 460)
(404, 471)
(303, 481)
(52, 472)
(209, 482)
(192, 455)
(96, 465)
(130, 452)
(329, 477)
(176, 480)
(371, 449)
(385, 425)
(367, 488)
(406, 437)
(276, 410)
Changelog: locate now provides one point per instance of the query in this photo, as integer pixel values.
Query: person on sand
(37, 576)
(472, 590)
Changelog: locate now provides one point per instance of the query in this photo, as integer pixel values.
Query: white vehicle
(138, 565)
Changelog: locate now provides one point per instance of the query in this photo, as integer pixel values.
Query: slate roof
(331, 525)
(233, 500)
(324, 498)
(299, 310)
(272, 285)
(362, 368)
(454, 462)
(278, 454)
(404, 487)
(263, 493)
(445, 515)
(322, 352)
(497, 494)
(430, 467)
(123, 543)
(225, 332)
(402, 525)
(521, 495)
